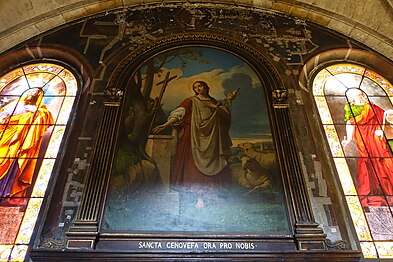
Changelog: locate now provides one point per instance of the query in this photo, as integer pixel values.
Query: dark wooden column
(84, 231)
(307, 234)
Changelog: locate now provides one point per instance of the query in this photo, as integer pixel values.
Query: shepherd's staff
(157, 100)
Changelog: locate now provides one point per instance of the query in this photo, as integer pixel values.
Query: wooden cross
(164, 83)
(157, 102)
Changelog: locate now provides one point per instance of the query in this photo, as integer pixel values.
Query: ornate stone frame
(306, 239)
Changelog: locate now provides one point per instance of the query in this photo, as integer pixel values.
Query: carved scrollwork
(280, 98)
(338, 245)
(50, 243)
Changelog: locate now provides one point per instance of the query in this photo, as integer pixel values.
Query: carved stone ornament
(50, 243)
(337, 245)
(113, 96)
(196, 17)
(280, 98)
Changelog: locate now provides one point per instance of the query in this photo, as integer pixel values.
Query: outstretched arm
(159, 128)
(174, 118)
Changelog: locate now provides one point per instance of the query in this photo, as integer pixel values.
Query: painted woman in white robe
(203, 145)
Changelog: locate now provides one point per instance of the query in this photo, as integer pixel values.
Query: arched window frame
(370, 247)
(17, 250)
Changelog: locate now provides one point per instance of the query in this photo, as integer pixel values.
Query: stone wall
(23, 19)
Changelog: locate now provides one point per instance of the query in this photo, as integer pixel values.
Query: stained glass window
(35, 104)
(356, 110)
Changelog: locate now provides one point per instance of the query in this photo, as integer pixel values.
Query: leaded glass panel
(35, 105)
(355, 106)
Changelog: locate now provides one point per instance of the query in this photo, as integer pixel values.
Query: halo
(352, 92)
(193, 79)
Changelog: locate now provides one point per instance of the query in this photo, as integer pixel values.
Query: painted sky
(224, 72)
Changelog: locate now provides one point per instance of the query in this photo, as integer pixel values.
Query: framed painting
(195, 152)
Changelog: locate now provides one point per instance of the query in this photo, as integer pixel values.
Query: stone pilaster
(84, 231)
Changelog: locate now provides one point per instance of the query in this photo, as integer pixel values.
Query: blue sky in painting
(216, 59)
(225, 72)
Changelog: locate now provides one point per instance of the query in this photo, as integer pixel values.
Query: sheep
(255, 175)
(266, 160)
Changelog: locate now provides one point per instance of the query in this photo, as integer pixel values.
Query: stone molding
(30, 19)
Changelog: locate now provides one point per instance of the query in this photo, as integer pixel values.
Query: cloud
(246, 70)
(181, 87)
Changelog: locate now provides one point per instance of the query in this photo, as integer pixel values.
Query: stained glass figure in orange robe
(374, 168)
(23, 123)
